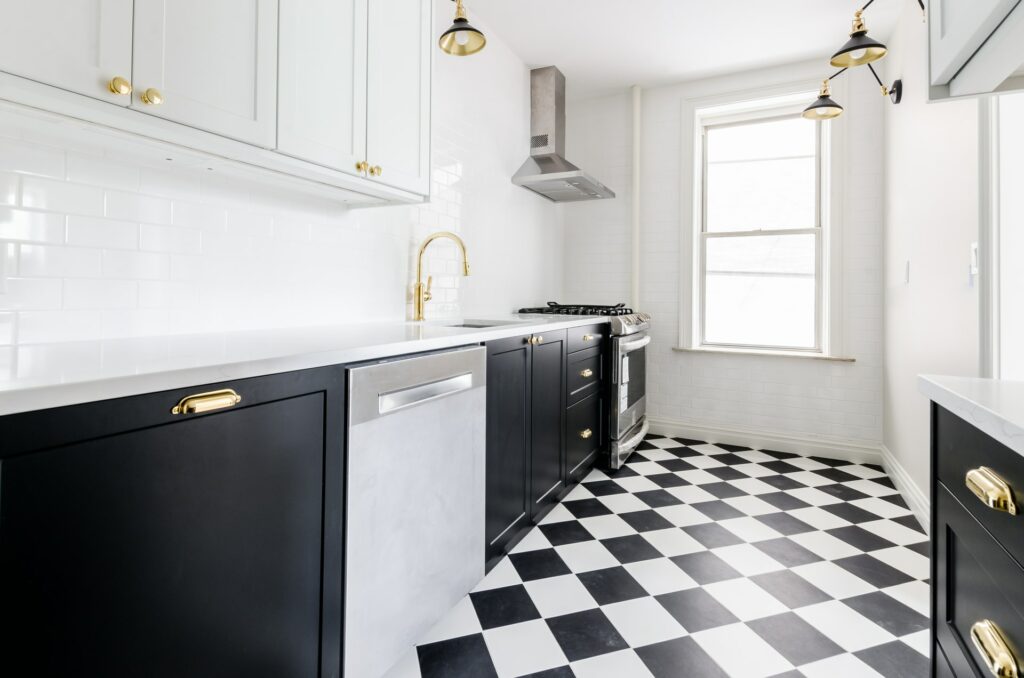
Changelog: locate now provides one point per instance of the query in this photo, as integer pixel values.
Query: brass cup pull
(362, 167)
(376, 171)
(152, 96)
(120, 86)
(207, 402)
(586, 433)
(587, 373)
(992, 490)
(589, 337)
(993, 648)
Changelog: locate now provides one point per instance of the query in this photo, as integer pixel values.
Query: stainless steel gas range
(627, 389)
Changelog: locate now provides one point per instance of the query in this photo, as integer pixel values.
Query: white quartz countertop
(995, 406)
(41, 376)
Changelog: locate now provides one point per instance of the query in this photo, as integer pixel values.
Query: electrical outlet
(906, 272)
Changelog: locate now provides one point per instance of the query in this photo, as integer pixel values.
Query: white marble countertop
(41, 376)
(995, 406)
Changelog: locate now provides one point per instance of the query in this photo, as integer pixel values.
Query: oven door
(628, 382)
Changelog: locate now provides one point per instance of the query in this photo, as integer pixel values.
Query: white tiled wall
(787, 397)
(100, 239)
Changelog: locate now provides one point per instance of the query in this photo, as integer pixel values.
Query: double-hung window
(764, 189)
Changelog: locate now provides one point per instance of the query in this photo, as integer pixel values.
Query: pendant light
(859, 49)
(823, 108)
(461, 39)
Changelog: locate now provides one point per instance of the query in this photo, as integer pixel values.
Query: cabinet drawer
(583, 434)
(975, 580)
(585, 374)
(960, 448)
(586, 337)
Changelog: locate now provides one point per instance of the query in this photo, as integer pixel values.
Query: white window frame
(768, 103)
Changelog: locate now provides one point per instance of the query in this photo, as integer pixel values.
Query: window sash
(816, 231)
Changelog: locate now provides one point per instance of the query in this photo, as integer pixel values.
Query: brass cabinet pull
(207, 402)
(994, 649)
(376, 171)
(586, 433)
(152, 96)
(362, 167)
(120, 86)
(588, 337)
(587, 373)
(992, 490)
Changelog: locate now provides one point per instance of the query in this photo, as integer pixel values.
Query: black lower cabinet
(547, 428)
(134, 541)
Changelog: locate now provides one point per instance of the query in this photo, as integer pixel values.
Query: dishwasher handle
(415, 395)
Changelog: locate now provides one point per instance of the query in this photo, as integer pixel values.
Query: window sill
(765, 353)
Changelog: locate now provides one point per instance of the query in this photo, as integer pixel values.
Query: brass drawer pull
(587, 373)
(992, 490)
(586, 433)
(589, 337)
(207, 402)
(994, 650)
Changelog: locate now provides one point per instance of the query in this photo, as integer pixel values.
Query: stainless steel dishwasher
(415, 499)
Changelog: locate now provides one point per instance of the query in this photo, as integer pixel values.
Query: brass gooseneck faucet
(420, 292)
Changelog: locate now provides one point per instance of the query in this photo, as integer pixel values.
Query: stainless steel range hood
(546, 171)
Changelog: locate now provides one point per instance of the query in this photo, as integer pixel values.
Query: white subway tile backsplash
(82, 293)
(88, 169)
(138, 207)
(9, 186)
(29, 158)
(7, 321)
(105, 233)
(25, 226)
(64, 325)
(136, 265)
(199, 215)
(30, 293)
(58, 262)
(61, 196)
(172, 239)
(169, 183)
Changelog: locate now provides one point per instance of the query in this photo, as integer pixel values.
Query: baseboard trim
(862, 453)
(916, 498)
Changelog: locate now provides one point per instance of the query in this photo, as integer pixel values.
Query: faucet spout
(421, 293)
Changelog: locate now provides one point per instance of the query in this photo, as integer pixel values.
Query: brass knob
(994, 649)
(586, 433)
(120, 86)
(152, 96)
(362, 167)
(992, 490)
(587, 373)
(538, 340)
(376, 171)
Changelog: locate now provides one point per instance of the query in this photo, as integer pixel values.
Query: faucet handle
(427, 296)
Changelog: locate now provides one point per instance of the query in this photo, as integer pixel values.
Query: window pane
(758, 140)
(763, 194)
(760, 291)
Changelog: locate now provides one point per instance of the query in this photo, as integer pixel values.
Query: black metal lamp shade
(823, 108)
(859, 49)
(461, 39)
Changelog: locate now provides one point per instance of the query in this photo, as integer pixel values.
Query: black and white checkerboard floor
(698, 560)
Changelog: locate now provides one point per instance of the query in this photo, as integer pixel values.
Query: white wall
(807, 404)
(99, 240)
(1011, 235)
(931, 217)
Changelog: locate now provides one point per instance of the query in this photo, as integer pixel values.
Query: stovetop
(624, 320)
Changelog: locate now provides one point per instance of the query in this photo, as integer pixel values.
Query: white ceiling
(606, 45)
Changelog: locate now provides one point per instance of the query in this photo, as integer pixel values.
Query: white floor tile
(749, 529)
(579, 492)
(753, 486)
(503, 574)
(814, 496)
(754, 470)
(643, 621)
(691, 494)
(461, 620)
(840, 666)
(825, 545)
(704, 462)
(905, 560)
(622, 664)
(506, 645)
(748, 560)
(637, 483)
(622, 503)
(818, 518)
(660, 575)
(533, 541)
(847, 629)
(558, 514)
(920, 641)
(752, 506)
(659, 455)
(682, 515)
(914, 594)
(607, 527)
(672, 542)
(647, 468)
(809, 479)
(881, 507)
(745, 599)
(870, 488)
(554, 596)
(894, 532)
(699, 477)
(586, 556)
(756, 659)
(806, 463)
(834, 580)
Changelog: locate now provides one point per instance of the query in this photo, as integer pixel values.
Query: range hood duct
(546, 171)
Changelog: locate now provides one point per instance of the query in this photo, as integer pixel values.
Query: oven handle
(630, 346)
(632, 443)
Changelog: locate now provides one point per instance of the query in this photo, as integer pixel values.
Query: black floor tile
(603, 488)
(785, 524)
(923, 548)
(705, 567)
(667, 480)
(873, 571)
(565, 532)
(780, 466)
(843, 492)
(857, 536)
(782, 482)
(783, 501)
(723, 490)
(586, 634)
(675, 465)
(850, 513)
(836, 475)
(730, 459)
(726, 473)
(560, 672)
(712, 535)
(611, 585)
(795, 639)
(689, 442)
(504, 606)
(465, 656)
(539, 564)
(678, 658)
(657, 498)
(790, 589)
(586, 508)
(787, 552)
(779, 455)
(829, 461)
(732, 448)
(696, 610)
(896, 500)
(631, 548)
(909, 521)
(645, 521)
(889, 613)
(718, 510)
(895, 660)
(685, 452)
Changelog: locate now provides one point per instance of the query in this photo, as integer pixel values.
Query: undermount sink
(481, 324)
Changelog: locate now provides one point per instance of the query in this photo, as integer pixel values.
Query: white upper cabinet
(210, 64)
(76, 45)
(321, 113)
(398, 85)
(975, 46)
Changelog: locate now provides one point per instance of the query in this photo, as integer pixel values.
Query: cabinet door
(398, 104)
(213, 63)
(547, 412)
(508, 444)
(323, 121)
(957, 30)
(77, 45)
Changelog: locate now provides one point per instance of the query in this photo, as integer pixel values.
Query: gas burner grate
(554, 308)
